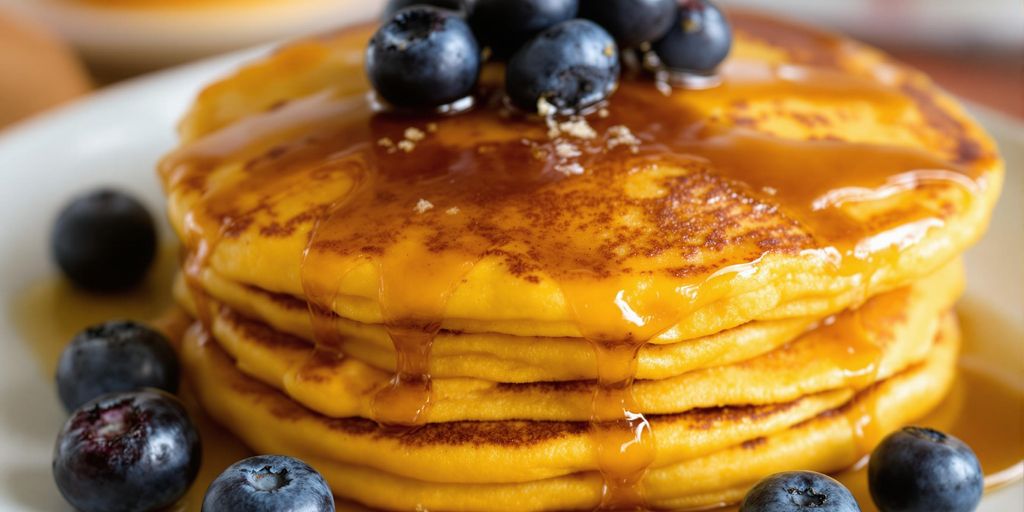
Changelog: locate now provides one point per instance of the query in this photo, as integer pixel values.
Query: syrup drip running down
(859, 355)
(481, 187)
(618, 316)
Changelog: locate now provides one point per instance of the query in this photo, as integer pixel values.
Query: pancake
(503, 358)
(428, 468)
(652, 304)
(685, 228)
(851, 350)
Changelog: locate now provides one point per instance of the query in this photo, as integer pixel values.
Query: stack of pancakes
(652, 306)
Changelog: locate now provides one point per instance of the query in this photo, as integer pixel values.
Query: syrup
(389, 209)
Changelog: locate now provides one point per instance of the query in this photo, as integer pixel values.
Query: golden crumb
(544, 108)
(566, 150)
(407, 146)
(454, 210)
(578, 128)
(388, 144)
(570, 169)
(423, 205)
(620, 135)
(414, 134)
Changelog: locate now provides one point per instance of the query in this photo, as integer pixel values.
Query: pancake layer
(850, 350)
(428, 468)
(503, 358)
(820, 170)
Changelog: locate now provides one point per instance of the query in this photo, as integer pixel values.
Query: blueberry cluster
(129, 445)
(428, 54)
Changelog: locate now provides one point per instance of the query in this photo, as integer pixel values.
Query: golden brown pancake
(851, 350)
(818, 169)
(455, 269)
(428, 468)
(510, 359)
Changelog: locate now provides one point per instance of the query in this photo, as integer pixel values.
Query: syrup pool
(51, 312)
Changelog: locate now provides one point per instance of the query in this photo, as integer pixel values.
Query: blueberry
(114, 357)
(698, 41)
(919, 469)
(269, 483)
(795, 491)
(504, 25)
(423, 57)
(631, 22)
(394, 6)
(572, 65)
(104, 241)
(129, 452)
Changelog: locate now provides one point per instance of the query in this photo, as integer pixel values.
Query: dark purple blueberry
(572, 65)
(424, 57)
(631, 22)
(920, 469)
(104, 241)
(698, 41)
(127, 452)
(504, 25)
(394, 6)
(798, 491)
(114, 357)
(269, 483)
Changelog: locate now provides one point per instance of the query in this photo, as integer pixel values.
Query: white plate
(127, 40)
(117, 135)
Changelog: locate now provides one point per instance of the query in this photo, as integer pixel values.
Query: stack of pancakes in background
(655, 306)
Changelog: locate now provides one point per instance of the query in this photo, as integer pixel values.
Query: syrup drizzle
(494, 172)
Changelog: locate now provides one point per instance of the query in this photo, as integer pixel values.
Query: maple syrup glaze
(487, 183)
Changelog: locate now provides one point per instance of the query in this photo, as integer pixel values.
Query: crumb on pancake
(423, 206)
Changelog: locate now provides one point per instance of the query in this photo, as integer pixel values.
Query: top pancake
(818, 168)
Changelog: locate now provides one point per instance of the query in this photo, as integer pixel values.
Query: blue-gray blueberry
(269, 483)
(920, 469)
(113, 357)
(423, 57)
(127, 452)
(572, 65)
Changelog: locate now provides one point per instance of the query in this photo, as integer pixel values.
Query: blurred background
(54, 50)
